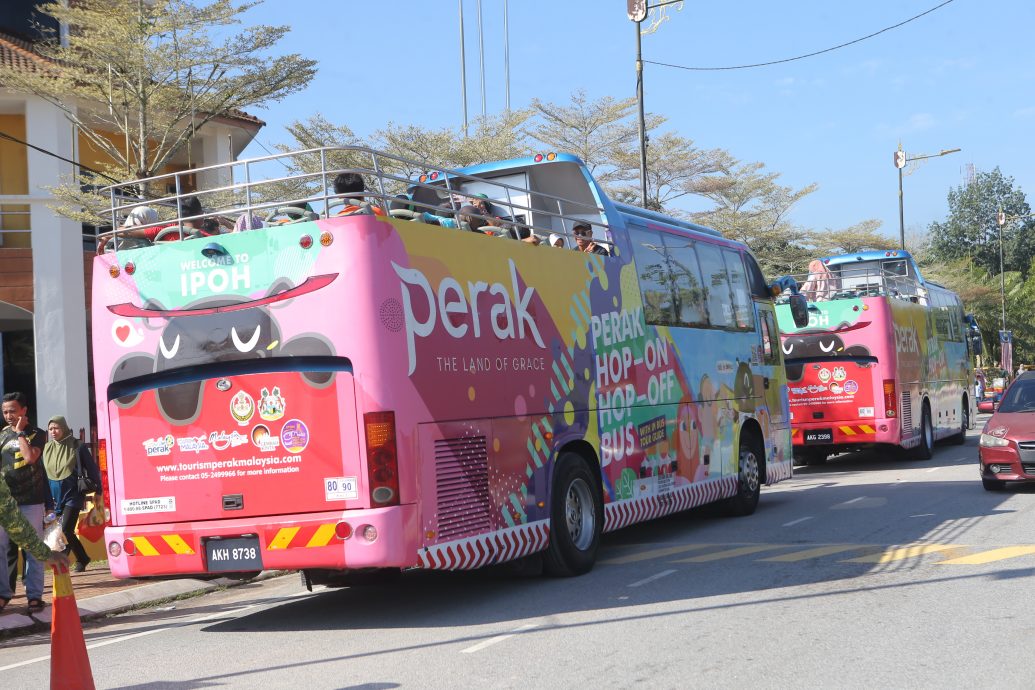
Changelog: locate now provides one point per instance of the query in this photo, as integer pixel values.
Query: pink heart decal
(122, 333)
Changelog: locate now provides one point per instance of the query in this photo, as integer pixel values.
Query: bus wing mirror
(976, 344)
(799, 310)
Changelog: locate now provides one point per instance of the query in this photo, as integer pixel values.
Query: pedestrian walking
(21, 452)
(66, 459)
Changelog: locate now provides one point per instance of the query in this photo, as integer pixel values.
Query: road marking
(932, 469)
(792, 523)
(902, 552)
(654, 553)
(850, 502)
(652, 578)
(988, 556)
(493, 640)
(817, 552)
(133, 636)
(731, 553)
(922, 515)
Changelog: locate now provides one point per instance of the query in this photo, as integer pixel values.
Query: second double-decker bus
(380, 379)
(885, 359)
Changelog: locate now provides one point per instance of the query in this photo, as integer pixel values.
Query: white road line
(933, 469)
(493, 640)
(652, 578)
(851, 501)
(922, 515)
(125, 638)
(792, 523)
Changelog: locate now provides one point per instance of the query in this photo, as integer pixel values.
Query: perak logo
(162, 445)
(271, 404)
(220, 440)
(192, 444)
(242, 407)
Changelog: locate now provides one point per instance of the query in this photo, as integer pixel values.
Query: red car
(1006, 451)
(989, 404)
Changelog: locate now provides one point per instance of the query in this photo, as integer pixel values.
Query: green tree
(861, 237)
(971, 230)
(675, 168)
(139, 78)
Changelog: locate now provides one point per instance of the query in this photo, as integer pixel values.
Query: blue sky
(962, 76)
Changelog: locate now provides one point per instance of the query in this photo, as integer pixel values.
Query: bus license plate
(819, 436)
(234, 554)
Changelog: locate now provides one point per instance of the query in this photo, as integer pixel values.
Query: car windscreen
(1020, 397)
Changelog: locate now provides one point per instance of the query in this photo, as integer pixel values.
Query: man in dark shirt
(21, 452)
(584, 239)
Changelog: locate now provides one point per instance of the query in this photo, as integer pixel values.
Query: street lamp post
(901, 159)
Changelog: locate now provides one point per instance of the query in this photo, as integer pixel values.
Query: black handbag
(85, 483)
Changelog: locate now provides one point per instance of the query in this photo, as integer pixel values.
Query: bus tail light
(102, 465)
(890, 398)
(382, 461)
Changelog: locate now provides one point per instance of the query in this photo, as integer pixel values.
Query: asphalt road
(866, 572)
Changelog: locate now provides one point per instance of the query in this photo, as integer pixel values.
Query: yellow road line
(817, 552)
(989, 556)
(902, 552)
(731, 553)
(654, 553)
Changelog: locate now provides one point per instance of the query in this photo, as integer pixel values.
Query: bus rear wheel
(749, 475)
(576, 518)
(925, 450)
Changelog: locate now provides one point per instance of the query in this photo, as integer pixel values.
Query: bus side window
(652, 270)
(717, 284)
(769, 335)
(687, 286)
(743, 313)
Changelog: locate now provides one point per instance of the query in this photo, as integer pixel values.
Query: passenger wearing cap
(584, 240)
(139, 216)
(557, 241)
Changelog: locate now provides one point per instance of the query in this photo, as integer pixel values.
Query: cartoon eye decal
(169, 352)
(241, 345)
(787, 348)
(827, 348)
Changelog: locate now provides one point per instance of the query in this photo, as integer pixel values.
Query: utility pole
(463, 68)
(636, 10)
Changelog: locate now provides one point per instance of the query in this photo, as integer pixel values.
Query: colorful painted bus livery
(886, 358)
(365, 392)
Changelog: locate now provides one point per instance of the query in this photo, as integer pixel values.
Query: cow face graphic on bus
(188, 341)
(810, 346)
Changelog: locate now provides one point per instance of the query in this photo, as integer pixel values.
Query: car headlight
(990, 441)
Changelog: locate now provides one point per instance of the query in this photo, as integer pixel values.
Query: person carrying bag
(73, 474)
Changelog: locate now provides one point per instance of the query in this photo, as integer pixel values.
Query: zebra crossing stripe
(902, 552)
(990, 556)
(817, 552)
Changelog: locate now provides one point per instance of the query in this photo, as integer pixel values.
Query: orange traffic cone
(69, 663)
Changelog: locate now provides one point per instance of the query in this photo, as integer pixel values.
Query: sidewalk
(98, 594)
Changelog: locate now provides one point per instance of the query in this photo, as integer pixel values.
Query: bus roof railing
(846, 281)
(308, 182)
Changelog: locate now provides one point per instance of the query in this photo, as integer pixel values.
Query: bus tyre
(961, 438)
(576, 518)
(749, 473)
(993, 484)
(925, 449)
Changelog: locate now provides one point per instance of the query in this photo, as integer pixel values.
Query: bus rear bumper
(856, 433)
(375, 538)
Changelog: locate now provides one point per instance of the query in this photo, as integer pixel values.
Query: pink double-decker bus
(885, 359)
(380, 369)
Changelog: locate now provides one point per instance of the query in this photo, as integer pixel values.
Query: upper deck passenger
(584, 239)
(348, 183)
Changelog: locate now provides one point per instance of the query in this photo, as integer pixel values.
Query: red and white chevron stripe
(486, 549)
(778, 471)
(623, 513)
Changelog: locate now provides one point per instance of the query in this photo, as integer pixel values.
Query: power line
(5, 135)
(802, 57)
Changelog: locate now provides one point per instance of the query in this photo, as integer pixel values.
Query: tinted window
(653, 273)
(687, 286)
(759, 288)
(1020, 397)
(743, 316)
(716, 282)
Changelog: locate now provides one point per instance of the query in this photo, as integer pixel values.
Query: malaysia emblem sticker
(242, 407)
(294, 436)
(271, 404)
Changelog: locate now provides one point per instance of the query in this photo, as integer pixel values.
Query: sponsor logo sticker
(162, 445)
(242, 407)
(262, 438)
(271, 404)
(294, 436)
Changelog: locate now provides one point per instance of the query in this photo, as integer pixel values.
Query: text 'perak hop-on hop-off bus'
(357, 385)
(886, 358)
